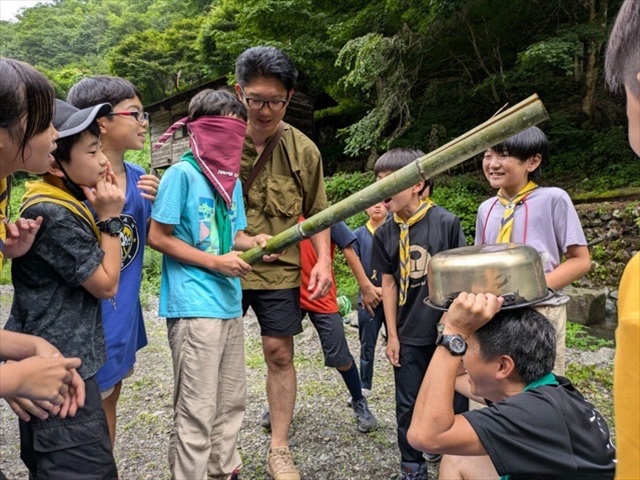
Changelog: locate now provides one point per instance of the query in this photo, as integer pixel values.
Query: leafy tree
(160, 63)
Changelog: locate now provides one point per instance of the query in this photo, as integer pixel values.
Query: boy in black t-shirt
(538, 425)
(72, 263)
(401, 252)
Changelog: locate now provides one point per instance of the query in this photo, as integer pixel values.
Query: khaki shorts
(107, 393)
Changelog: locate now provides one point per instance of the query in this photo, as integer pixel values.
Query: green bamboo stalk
(525, 114)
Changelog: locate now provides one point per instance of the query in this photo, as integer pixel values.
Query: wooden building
(164, 113)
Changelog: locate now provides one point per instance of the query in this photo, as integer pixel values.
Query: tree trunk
(598, 20)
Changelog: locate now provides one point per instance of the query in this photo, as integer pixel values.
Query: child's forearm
(11, 376)
(576, 265)
(162, 240)
(244, 242)
(16, 346)
(356, 267)
(390, 304)
(103, 282)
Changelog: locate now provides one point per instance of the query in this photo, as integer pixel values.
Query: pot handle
(509, 299)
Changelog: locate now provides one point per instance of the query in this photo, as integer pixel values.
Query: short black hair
(92, 91)
(64, 145)
(622, 61)
(430, 184)
(266, 62)
(397, 158)
(524, 335)
(216, 102)
(24, 92)
(524, 145)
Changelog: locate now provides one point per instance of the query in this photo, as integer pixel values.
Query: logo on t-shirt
(419, 261)
(129, 241)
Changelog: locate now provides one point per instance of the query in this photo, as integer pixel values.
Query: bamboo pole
(495, 130)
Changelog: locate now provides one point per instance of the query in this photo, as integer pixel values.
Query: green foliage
(594, 383)
(345, 280)
(151, 275)
(380, 69)
(555, 53)
(142, 157)
(462, 196)
(160, 63)
(5, 274)
(579, 338)
(342, 185)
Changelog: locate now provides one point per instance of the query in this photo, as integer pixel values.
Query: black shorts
(278, 311)
(73, 448)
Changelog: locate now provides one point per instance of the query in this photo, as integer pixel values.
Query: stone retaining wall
(613, 233)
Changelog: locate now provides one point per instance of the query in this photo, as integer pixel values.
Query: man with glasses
(289, 184)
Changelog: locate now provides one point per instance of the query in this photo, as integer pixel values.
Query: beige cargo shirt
(290, 184)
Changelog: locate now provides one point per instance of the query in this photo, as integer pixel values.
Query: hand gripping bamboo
(498, 128)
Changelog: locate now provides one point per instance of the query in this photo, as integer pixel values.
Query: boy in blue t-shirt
(197, 223)
(121, 130)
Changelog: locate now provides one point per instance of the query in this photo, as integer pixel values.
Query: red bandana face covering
(216, 143)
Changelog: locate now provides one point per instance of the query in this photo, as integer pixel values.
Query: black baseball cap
(69, 120)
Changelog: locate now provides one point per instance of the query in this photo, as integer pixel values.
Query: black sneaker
(265, 419)
(366, 420)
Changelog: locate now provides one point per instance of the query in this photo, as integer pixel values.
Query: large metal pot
(513, 271)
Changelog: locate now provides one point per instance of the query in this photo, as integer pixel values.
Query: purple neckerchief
(216, 142)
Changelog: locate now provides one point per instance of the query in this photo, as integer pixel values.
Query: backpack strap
(266, 153)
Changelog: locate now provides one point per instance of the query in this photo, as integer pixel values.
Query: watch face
(114, 225)
(457, 345)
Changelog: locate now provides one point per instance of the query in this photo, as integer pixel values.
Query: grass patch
(577, 337)
(596, 384)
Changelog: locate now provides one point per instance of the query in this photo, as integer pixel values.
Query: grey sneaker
(413, 471)
(366, 420)
(265, 419)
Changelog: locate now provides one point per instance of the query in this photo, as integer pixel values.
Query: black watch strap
(111, 226)
(454, 343)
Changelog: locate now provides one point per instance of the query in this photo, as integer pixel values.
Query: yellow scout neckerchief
(506, 226)
(38, 192)
(403, 247)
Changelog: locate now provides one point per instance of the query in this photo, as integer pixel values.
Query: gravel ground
(326, 444)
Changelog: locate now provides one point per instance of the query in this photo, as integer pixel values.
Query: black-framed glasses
(140, 117)
(257, 103)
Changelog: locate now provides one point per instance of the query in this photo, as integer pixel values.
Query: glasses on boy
(257, 103)
(140, 117)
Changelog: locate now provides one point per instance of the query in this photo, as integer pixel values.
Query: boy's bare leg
(281, 386)
(109, 407)
(454, 467)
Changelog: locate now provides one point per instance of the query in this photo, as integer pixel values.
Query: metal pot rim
(550, 293)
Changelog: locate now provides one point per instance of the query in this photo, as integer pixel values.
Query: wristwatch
(113, 226)
(454, 343)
